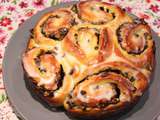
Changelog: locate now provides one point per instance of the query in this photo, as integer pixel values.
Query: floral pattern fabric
(14, 12)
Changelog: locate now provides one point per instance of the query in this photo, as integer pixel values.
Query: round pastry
(91, 49)
(107, 88)
(46, 75)
(92, 58)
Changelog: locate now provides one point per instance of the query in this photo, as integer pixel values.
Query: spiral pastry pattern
(109, 87)
(91, 57)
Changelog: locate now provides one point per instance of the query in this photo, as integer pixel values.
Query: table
(14, 12)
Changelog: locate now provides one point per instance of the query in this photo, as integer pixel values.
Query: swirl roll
(135, 44)
(53, 27)
(106, 89)
(97, 12)
(88, 44)
(46, 76)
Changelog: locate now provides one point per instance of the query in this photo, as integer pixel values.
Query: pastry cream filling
(97, 92)
(88, 41)
(68, 61)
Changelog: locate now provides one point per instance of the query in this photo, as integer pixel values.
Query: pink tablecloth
(15, 12)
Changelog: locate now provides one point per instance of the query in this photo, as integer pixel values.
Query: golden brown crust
(99, 60)
(91, 49)
(88, 96)
(46, 75)
(136, 44)
(99, 14)
(53, 26)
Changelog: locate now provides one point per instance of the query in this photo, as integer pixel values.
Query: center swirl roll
(88, 44)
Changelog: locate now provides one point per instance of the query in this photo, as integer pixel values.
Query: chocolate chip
(76, 36)
(77, 42)
(56, 16)
(49, 52)
(102, 8)
(63, 31)
(71, 104)
(98, 36)
(134, 89)
(107, 10)
(71, 71)
(42, 70)
(136, 35)
(51, 94)
(37, 61)
(124, 9)
(31, 30)
(96, 48)
(113, 15)
(73, 22)
(53, 36)
(83, 92)
(125, 74)
(132, 79)
(118, 92)
(58, 35)
(74, 8)
(84, 108)
(70, 96)
(101, 22)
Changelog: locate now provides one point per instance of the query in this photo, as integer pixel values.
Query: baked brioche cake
(92, 58)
